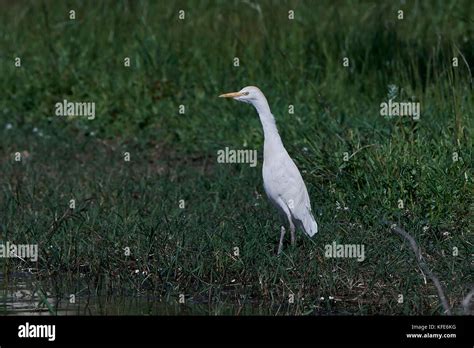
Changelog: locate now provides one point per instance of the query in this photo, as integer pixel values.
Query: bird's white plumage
(282, 180)
(286, 189)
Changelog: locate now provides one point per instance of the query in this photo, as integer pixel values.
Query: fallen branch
(467, 301)
(421, 263)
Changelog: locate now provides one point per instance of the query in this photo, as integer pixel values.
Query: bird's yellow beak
(230, 95)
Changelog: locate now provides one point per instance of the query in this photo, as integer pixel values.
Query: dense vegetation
(398, 168)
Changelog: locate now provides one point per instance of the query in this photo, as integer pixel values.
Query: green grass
(173, 156)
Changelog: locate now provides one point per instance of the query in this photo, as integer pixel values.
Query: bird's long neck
(272, 137)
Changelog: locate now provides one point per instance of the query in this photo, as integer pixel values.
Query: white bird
(281, 178)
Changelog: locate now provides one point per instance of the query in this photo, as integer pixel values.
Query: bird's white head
(249, 95)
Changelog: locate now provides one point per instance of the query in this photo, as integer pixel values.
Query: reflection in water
(22, 294)
(17, 296)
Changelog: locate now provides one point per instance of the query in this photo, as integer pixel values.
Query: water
(22, 294)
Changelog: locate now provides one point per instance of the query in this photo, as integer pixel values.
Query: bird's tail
(310, 225)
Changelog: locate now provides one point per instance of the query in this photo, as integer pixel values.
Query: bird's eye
(245, 93)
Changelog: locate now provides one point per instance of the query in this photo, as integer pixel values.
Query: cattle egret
(282, 180)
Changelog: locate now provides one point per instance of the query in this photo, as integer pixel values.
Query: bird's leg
(282, 236)
(292, 231)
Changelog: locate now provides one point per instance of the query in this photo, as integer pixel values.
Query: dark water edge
(21, 293)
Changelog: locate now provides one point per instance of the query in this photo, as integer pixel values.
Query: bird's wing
(291, 188)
